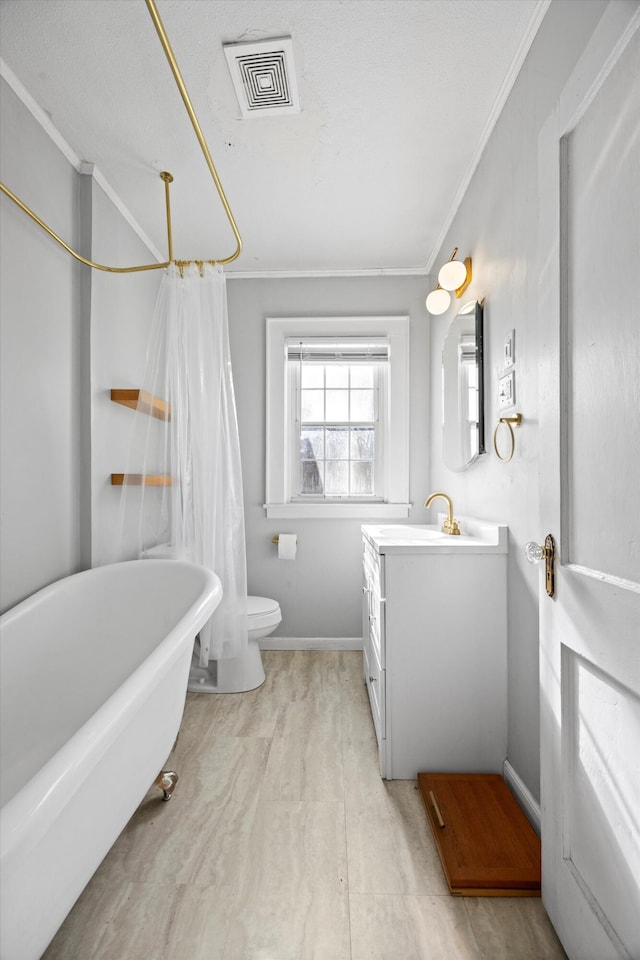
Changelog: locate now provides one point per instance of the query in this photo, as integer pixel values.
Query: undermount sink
(405, 531)
(477, 536)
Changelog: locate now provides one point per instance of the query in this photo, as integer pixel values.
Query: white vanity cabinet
(435, 647)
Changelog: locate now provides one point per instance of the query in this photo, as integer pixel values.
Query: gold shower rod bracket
(77, 256)
(165, 176)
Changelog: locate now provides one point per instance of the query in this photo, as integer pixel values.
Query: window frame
(394, 418)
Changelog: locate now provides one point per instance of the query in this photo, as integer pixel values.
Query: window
(337, 417)
(337, 388)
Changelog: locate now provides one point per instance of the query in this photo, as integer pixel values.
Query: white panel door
(590, 497)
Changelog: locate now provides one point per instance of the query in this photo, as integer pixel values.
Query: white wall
(69, 334)
(497, 225)
(40, 374)
(122, 308)
(320, 591)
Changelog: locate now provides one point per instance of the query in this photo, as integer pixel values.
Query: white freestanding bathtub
(94, 674)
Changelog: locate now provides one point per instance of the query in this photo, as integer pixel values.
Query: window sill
(335, 511)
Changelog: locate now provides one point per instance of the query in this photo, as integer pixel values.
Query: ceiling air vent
(263, 76)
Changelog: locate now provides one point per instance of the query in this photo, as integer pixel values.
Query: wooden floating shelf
(144, 402)
(140, 479)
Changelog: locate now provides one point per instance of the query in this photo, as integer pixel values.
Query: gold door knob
(535, 553)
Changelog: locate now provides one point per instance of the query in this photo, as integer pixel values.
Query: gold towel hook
(517, 419)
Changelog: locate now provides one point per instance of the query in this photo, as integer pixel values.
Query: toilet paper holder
(287, 545)
(276, 538)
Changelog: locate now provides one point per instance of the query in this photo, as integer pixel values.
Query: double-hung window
(337, 417)
(337, 440)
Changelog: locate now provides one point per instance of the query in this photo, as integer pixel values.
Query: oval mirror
(463, 388)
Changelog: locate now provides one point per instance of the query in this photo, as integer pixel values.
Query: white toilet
(264, 616)
(238, 674)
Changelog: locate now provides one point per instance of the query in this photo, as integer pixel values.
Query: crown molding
(307, 274)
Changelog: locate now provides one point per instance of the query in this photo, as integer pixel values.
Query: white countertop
(476, 536)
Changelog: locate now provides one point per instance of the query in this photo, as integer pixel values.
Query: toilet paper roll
(287, 546)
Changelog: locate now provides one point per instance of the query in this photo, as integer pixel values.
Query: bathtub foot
(166, 781)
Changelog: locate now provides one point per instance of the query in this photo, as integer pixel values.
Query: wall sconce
(438, 301)
(454, 276)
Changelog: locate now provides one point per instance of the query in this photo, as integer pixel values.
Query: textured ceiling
(396, 100)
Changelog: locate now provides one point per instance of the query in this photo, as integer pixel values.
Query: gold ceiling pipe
(166, 177)
(89, 263)
(166, 46)
(167, 180)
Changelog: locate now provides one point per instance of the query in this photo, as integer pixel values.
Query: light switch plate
(509, 357)
(507, 391)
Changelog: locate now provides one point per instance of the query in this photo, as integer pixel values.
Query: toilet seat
(263, 612)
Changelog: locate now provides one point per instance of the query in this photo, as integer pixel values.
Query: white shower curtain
(201, 514)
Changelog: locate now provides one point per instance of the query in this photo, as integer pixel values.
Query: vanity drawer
(373, 570)
(376, 628)
(374, 609)
(375, 678)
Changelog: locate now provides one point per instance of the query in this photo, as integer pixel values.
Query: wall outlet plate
(509, 357)
(507, 391)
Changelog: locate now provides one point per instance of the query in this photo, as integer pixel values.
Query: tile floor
(282, 843)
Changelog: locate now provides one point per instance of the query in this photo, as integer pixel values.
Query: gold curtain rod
(166, 177)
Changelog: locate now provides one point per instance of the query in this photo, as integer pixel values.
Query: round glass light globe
(438, 301)
(452, 275)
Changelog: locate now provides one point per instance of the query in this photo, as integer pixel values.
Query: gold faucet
(450, 525)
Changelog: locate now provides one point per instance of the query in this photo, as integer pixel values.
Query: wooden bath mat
(487, 846)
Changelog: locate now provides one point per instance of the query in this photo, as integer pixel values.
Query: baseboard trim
(311, 643)
(523, 795)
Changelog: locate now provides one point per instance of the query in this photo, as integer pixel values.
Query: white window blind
(332, 350)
